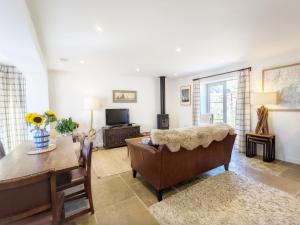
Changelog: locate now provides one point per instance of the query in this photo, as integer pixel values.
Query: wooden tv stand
(115, 136)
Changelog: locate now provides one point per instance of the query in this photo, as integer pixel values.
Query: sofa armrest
(146, 160)
(138, 143)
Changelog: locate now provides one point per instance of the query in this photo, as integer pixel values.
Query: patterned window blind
(242, 117)
(196, 102)
(13, 128)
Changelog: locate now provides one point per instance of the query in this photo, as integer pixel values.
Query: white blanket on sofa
(191, 137)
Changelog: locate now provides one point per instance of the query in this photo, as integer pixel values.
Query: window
(13, 128)
(221, 100)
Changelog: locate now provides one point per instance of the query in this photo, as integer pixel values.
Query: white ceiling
(145, 34)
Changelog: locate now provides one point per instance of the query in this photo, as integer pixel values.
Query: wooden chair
(31, 200)
(79, 138)
(66, 177)
(79, 176)
(2, 152)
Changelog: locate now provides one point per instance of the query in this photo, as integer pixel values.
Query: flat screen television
(117, 116)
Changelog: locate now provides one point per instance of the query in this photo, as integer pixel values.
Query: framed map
(286, 81)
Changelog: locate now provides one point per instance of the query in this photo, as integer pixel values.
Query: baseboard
(291, 160)
(99, 145)
(280, 157)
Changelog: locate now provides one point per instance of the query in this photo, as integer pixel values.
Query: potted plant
(66, 126)
(39, 122)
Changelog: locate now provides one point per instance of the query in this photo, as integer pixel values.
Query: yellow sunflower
(49, 113)
(28, 117)
(50, 117)
(37, 119)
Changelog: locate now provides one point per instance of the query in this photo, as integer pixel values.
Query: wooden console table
(115, 136)
(266, 140)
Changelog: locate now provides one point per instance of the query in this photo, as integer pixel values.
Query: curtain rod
(4, 65)
(218, 74)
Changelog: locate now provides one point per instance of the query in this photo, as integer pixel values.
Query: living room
(156, 112)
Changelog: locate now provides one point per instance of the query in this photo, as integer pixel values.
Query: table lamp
(262, 98)
(91, 103)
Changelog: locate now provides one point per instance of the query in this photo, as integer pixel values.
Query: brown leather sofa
(163, 168)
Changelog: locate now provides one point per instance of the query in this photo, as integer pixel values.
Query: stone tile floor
(123, 200)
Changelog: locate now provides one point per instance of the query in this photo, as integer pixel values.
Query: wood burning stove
(162, 118)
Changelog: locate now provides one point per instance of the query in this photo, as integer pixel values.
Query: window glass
(221, 100)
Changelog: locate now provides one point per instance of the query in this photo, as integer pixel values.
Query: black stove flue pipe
(162, 94)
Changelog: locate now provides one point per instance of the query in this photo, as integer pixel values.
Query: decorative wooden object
(262, 123)
(266, 140)
(115, 136)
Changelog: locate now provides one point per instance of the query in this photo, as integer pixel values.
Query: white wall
(68, 90)
(284, 124)
(37, 98)
(180, 115)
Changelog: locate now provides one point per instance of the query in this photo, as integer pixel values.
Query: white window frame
(223, 83)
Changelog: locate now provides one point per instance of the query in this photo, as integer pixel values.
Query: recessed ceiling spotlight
(98, 28)
(64, 59)
(81, 61)
(137, 70)
(178, 49)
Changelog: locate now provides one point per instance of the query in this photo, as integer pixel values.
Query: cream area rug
(228, 199)
(110, 162)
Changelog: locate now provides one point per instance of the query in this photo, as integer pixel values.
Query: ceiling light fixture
(98, 28)
(64, 59)
(81, 61)
(175, 74)
(178, 49)
(137, 70)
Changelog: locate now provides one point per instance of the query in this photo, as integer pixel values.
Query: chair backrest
(26, 196)
(2, 152)
(207, 118)
(87, 155)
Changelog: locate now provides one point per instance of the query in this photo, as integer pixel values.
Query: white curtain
(196, 102)
(242, 117)
(13, 128)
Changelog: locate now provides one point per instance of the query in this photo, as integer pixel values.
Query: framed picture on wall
(285, 80)
(124, 96)
(185, 95)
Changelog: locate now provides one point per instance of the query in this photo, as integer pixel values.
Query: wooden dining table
(18, 163)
